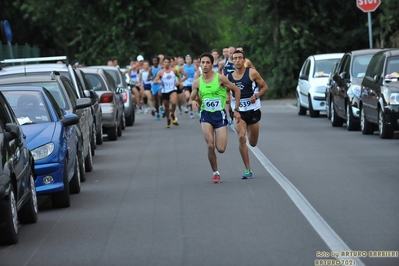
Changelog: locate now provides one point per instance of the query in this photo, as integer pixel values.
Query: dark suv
(18, 201)
(345, 91)
(379, 102)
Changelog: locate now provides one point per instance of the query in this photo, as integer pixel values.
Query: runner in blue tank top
(249, 106)
(156, 67)
(191, 70)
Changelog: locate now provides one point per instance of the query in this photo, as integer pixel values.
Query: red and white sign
(368, 5)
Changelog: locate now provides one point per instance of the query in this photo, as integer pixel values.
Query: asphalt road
(150, 200)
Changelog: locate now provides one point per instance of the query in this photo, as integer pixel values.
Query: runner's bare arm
(237, 92)
(255, 76)
(194, 93)
(158, 78)
(181, 70)
(177, 74)
(221, 65)
(140, 81)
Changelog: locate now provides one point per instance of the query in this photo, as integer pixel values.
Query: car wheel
(89, 161)
(119, 131)
(62, 199)
(366, 127)
(29, 212)
(123, 120)
(9, 229)
(113, 132)
(301, 110)
(351, 124)
(386, 131)
(99, 137)
(74, 184)
(312, 112)
(93, 140)
(336, 121)
(82, 167)
(130, 119)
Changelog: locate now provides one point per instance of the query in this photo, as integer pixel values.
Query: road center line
(332, 240)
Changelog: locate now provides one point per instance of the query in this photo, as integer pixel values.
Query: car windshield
(29, 106)
(54, 89)
(392, 68)
(96, 82)
(115, 75)
(359, 65)
(323, 67)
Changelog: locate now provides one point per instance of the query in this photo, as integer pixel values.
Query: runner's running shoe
(157, 117)
(216, 179)
(247, 174)
(191, 115)
(161, 110)
(175, 122)
(168, 124)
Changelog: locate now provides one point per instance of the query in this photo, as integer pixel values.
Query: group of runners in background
(221, 91)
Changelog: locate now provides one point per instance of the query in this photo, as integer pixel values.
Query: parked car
(379, 101)
(345, 93)
(330, 83)
(312, 83)
(52, 137)
(18, 200)
(65, 69)
(95, 108)
(63, 92)
(111, 104)
(127, 95)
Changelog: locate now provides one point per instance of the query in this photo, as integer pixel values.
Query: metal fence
(19, 51)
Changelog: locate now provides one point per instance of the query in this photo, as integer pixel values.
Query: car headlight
(320, 89)
(43, 151)
(354, 91)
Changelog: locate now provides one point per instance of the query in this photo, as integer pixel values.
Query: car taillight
(124, 96)
(107, 97)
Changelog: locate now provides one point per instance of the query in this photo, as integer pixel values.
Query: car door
(303, 82)
(371, 87)
(81, 113)
(17, 155)
(341, 85)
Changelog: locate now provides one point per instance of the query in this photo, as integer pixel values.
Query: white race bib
(213, 104)
(245, 105)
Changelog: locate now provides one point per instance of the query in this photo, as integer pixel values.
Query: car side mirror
(13, 130)
(303, 77)
(70, 119)
(343, 75)
(83, 103)
(376, 78)
(90, 94)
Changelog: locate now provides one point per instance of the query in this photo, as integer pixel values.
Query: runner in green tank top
(212, 89)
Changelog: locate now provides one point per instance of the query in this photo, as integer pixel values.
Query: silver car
(127, 94)
(110, 101)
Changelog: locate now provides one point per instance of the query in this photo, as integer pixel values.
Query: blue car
(51, 136)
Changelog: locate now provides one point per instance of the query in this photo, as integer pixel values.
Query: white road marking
(332, 240)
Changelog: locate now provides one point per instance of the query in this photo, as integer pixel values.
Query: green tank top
(213, 96)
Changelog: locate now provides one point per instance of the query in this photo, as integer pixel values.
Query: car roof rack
(36, 59)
